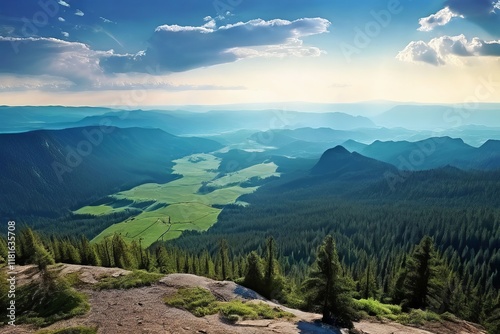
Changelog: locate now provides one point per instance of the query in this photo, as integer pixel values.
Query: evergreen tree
(254, 278)
(35, 251)
(422, 282)
(162, 259)
(327, 290)
(368, 284)
(224, 262)
(121, 255)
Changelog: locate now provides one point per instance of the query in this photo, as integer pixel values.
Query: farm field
(179, 205)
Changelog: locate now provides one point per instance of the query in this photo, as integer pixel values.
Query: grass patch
(40, 305)
(375, 308)
(72, 330)
(417, 317)
(201, 302)
(135, 279)
(198, 301)
(251, 310)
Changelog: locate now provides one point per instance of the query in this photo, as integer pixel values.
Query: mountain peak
(338, 161)
(339, 150)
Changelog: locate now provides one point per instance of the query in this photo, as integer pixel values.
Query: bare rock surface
(142, 310)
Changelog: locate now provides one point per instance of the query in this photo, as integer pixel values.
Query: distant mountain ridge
(435, 153)
(178, 122)
(435, 117)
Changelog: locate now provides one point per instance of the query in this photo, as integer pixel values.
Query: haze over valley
(232, 166)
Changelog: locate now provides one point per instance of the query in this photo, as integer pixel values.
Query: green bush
(418, 317)
(201, 302)
(449, 317)
(43, 304)
(375, 308)
(135, 279)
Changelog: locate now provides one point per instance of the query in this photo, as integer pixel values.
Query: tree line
(420, 278)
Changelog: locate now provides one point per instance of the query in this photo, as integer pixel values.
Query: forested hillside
(47, 172)
(375, 227)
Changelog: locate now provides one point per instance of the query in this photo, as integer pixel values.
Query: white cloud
(75, 62)
(175, 48)
(63, 3)
(441, 18)
(10, 83)
(172, 48)
(105, 20)
(61, 19)
(79, 13)
(210, 24)
(54, 64)
(448, 49)
(293, 47)
(419, 51)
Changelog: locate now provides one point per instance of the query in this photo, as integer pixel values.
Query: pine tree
(34, 250)
(121, 254)
(223, 258)
(327, 289)
(368, 283)
(423, 283)
(254, 278)
(162, 259)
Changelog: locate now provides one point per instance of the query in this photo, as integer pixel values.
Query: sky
(209, 52)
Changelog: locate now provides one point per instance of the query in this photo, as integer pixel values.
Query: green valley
(165, 210)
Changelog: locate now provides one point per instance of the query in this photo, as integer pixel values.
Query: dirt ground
(142, 310)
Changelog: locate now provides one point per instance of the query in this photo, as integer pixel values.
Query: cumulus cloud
(419, 51)
(79, 13)
(50, 56)
(61, 19)
(446, 49)
(54, 64)
(175, 48)
(441, 18)
(172, 48)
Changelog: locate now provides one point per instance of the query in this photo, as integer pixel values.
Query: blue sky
(158, 52)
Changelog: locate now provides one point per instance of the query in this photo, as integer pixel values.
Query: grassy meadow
(179, 205)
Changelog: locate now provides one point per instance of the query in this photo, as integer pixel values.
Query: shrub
(418, 317)
(201, 302)
(375, 308)
(43, 306)
(135, 279)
